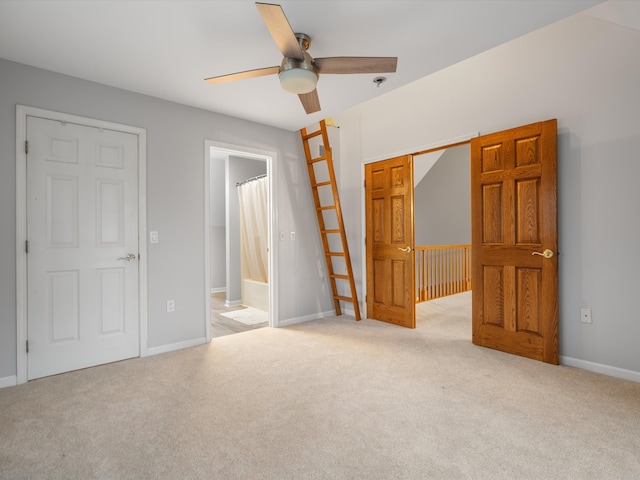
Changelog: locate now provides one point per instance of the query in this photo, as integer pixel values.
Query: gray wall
(584, 72)
(175, 200)
(218, 228)
(442, 199)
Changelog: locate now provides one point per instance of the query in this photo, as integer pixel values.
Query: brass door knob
(546, 254)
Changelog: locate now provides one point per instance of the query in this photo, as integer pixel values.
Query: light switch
(153, 237)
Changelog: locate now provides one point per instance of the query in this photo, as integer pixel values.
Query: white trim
(142, 242)
(22, 112)
(308, 318)
(271, 159)
(349, 312)
(21, 237)
(176, 346)
(363, 229)
(11, 381)
(422, 148)
(218, 290)
(600, 368)
(232, 303)
(207, 241)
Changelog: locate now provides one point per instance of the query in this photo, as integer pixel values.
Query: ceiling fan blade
(310, 101)
(356, 64)
(259, 72)
(280, 30)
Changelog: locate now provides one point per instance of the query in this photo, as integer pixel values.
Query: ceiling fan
(299, 71)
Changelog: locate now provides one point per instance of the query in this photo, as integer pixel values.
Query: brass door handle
(546, 254)
(405, 249)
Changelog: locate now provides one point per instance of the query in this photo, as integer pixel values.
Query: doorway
(408, 224)
(514, 217)
(228, 168)
(442, 222)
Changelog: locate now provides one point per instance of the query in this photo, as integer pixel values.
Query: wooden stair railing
(327, 202)
(442, 270)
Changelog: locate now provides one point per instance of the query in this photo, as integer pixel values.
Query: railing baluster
(442, 270)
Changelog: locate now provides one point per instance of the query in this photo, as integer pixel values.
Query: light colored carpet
(327, 399)
(248, 316)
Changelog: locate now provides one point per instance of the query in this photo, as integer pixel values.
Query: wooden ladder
(326, 203)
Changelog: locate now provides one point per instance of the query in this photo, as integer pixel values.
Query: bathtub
(255, 294)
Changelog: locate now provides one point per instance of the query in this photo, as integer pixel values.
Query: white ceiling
(166, 48)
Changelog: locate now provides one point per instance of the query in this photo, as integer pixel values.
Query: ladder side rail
(320, 219)
(336, 199)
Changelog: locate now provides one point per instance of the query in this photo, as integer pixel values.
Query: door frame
(415, 151)
(22, 112)
(271, 158)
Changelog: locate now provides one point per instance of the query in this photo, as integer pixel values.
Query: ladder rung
(330, 207)
(317, 159)
(335, 254)
(322, 184)
(342, 277)
(344, 299)
(330, 231)
(312, 134)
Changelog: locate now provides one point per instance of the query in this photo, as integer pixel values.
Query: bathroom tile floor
(221, 326)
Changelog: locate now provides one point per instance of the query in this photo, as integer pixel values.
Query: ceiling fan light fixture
(298, 80)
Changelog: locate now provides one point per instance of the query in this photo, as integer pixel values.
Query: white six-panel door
(82, 263)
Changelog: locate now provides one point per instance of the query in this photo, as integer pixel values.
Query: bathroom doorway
(237, 301)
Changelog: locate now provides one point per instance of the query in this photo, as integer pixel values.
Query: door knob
(129, 258)
(546, 254)
(405, 249)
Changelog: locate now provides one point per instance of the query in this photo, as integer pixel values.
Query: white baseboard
(600, 368)
(351, 312)
(175, 346)
(219, 290)
(11, 381)
(233, 303)
(306, 318)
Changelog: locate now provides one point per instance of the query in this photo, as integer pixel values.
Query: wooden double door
(514, 241)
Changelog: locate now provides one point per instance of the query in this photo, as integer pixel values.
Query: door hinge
(26, 246)
(26, 146)
(27, 346)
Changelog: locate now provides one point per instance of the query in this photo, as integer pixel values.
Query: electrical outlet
(171, 306)
(585, 315)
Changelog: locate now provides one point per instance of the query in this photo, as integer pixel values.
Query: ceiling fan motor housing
(299, 75)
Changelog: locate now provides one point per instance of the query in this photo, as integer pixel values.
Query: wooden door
(390, 243)
(514, 221)
(82, 264)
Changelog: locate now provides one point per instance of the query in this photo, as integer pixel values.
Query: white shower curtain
(253, 196)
